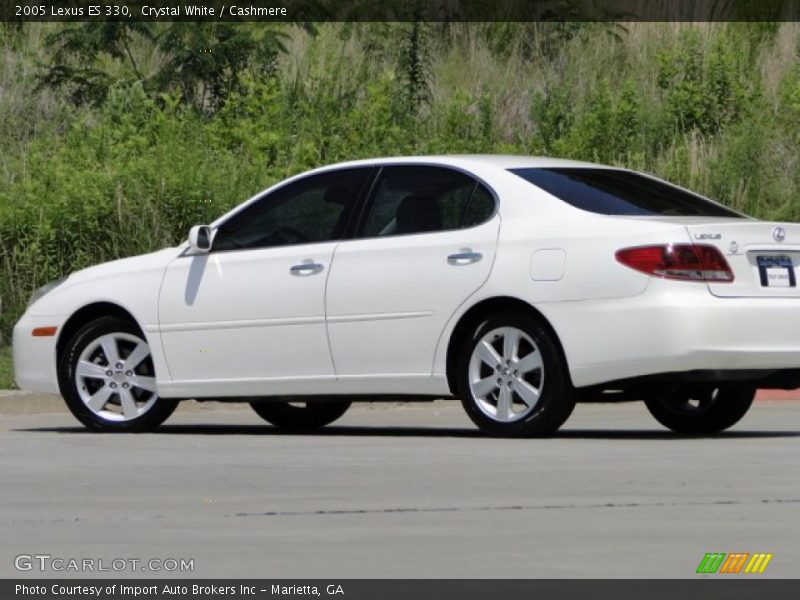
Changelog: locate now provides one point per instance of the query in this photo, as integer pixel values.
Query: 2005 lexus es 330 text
(519, 285)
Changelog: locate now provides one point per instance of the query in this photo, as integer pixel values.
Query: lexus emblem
(779, 234)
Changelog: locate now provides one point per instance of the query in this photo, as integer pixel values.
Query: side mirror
(200, 239)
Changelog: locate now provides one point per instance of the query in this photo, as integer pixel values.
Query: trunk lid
(764, 256)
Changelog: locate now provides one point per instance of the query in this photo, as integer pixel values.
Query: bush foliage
(108, 151)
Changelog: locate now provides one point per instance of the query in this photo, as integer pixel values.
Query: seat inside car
(418, 214)
(343, 197)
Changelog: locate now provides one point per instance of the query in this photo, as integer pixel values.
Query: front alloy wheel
(512, 380)
(108, 379)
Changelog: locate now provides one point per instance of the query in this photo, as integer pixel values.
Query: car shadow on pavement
(424, 432)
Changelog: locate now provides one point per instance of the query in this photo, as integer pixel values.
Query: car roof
(502, 161)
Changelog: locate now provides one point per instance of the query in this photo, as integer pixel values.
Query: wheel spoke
(132, 394)
(526, 392)
(504, 403)
(138, 354)
(510, 344)
(529, 363)
(145, 383)
(99, 399)
(504, 394)
(109, 345)
(91, 370)
(484, 387)
(488, 354)
(129, 408)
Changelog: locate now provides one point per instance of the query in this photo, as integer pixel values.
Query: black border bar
(398, 10)
(713, 588)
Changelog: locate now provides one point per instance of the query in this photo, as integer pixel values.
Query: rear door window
(420, 199)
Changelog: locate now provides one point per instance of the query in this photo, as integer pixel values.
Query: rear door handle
(465, 257)
(306, 268)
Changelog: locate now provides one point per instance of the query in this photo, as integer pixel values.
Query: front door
(248, 318)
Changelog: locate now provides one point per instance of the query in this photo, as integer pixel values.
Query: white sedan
(519, 285)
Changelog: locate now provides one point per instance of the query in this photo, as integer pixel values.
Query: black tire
(311, 415)
(700, 410)
(157, 413)
(556, 400)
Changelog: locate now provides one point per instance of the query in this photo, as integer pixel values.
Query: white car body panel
(389, 298)
(242, 316)
(379, 317)
(130, 283)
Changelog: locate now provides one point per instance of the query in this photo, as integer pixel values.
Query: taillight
(688, 262)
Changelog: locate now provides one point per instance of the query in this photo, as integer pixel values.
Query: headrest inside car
(417, 214)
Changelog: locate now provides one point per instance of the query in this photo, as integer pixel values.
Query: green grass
(6, 370)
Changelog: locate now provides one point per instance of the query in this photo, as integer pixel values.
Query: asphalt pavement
(405, 491)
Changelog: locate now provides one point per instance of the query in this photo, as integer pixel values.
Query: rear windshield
(615, 192)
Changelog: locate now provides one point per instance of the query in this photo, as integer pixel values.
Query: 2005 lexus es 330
(519, 285)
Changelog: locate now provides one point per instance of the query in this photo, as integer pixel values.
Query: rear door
(427, 241)
(764, 257)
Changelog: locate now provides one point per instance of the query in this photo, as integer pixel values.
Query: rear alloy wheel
(300, 416)
(701, 409)
(512, 379)
(108, 378)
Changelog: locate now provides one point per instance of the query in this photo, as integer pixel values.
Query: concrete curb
(17, 402)
(771, 395)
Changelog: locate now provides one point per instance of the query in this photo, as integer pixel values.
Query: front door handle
(465, 257)
(306, 268)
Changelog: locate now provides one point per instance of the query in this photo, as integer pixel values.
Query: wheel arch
(89, 313)
(481, 311)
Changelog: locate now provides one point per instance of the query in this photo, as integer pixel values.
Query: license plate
(776, 271)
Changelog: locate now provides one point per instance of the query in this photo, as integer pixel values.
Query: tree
(204, 61)
(415, 64)
(78, 50)
(207, 60)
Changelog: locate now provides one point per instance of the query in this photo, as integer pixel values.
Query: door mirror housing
(200, 239)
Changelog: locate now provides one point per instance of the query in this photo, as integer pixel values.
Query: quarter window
(419, 199)
(617, 192)
(314, 209)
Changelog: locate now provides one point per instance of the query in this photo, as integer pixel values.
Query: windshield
(617, 192)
